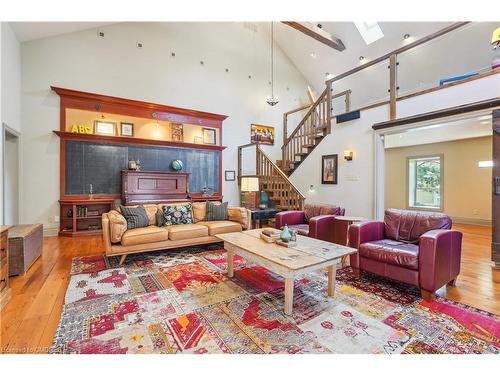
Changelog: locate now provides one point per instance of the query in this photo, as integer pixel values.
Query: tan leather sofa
(120, 241)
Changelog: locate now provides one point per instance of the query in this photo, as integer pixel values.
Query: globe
(177, 165)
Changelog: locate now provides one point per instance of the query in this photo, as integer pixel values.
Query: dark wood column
(495, 245)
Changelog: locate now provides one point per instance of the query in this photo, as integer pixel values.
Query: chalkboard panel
(101, 165)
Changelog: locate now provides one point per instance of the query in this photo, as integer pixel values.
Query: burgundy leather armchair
(315, 221)
(417, 248)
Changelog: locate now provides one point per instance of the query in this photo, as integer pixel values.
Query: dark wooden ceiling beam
(332, 42)
(452, 111)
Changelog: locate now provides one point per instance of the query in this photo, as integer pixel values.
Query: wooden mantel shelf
(131, 140)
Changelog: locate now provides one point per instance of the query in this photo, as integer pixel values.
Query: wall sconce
(348, 155)
(311, 188)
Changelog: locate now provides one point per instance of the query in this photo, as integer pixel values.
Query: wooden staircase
(311, 130)
(282, 192)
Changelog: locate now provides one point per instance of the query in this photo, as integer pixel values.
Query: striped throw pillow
(216, 211)
(136, 217)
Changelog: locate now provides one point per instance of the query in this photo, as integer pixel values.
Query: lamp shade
(249, 184)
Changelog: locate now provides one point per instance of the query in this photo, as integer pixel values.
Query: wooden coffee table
(307, 255)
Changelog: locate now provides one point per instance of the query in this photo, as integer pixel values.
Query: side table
(341, 228)
(260, 215)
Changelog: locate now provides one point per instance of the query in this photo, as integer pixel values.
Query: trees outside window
(425, 182)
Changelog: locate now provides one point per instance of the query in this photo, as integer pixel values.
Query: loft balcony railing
(456, 54)
(452, 55)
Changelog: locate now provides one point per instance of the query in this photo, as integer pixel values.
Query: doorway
(11, 172)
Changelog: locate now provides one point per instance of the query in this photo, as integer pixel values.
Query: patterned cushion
(174, 215)
(136, 217)
(216, 211)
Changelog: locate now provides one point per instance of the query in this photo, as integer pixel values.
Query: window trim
(441, 189)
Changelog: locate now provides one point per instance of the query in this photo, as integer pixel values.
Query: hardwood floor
(29, 321)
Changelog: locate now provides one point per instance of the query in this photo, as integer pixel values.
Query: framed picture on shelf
(104, 127)
(176, 132)
(126, 129)
(329, 169)
(209, 136)
(230, 175)
(262, 134)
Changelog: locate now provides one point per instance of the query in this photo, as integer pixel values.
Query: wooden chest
(4, 267)
(25, 246)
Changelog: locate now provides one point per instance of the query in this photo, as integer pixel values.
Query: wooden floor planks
(29, 321)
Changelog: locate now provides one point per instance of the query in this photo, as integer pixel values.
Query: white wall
(354, 190)
(356, 179)
(10, 89)
(114, 66)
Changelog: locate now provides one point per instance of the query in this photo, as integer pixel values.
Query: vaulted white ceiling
(419, 69)
(300, 47)
(26, 31)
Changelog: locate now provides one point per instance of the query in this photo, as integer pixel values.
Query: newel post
(393, 86)
(329, 105)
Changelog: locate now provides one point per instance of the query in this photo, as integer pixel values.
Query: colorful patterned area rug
(183, 302)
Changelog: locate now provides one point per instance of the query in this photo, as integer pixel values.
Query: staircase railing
(273, 180)
(316, 121)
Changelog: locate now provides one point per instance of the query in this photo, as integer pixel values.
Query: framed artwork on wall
(262, 134)
(176, 132)
(329, 169)
(209, 136)
(126, 129)
(104, 127)
(230, 175)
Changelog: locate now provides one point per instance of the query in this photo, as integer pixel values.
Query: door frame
(7, 129)
(379, 152)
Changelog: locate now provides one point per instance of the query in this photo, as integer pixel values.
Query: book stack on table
(270, 235)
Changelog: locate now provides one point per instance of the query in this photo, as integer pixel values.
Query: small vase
(286, 234)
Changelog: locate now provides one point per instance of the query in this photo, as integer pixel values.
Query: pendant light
(272, 100)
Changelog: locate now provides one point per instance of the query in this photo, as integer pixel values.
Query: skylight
(370, 31)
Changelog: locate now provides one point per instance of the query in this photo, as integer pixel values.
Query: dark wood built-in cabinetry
(495, 245)
(81, 217)
(92, 164)
(141, 187)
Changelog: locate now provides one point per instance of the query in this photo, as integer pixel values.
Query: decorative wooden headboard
(140, 187)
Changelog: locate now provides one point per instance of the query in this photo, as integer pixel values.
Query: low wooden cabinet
(5, 293)
(80, 217)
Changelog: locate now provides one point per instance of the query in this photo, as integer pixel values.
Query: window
(425, 182)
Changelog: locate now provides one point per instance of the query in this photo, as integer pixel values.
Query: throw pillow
(160, 221)
(136, 217)
(173, 215)
(216, 211)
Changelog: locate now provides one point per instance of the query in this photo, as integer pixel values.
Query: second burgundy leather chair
(315, 221)
(417, 248)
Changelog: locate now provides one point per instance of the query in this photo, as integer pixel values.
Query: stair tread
(301, 154)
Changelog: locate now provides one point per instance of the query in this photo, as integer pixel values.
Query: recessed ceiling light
(406, 36)
(361, 58)
(313, 55)
(329, 75)
(370, 31)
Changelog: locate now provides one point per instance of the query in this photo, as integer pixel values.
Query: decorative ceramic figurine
(286, 234)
